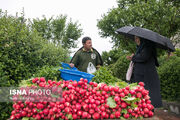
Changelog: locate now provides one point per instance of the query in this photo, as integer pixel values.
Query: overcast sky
(86, 12)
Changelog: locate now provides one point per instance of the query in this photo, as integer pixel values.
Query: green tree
(112, 56)
(15, 45)
(23, 51)
(161, 16)
(58, 30)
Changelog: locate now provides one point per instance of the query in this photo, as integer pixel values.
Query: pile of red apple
(83, 100)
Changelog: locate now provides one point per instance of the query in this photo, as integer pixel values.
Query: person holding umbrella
(145, 63)
(145, 59)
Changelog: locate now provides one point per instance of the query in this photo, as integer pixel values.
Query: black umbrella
(161, 41)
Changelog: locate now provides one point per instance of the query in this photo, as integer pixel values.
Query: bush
(52, 54)
(15, 44)
(22, 53)
(177, 52)
(23, 50)
(119, 69)
(104, 75)
(169, 74)
(49, 72)
(112, 56)
(4, 79)
(5, 107)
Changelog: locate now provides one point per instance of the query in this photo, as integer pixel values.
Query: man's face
(88, 45)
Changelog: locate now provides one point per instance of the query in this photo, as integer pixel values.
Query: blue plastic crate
(68, 74)
(66, 66)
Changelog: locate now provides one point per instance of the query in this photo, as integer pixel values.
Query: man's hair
(85, 39)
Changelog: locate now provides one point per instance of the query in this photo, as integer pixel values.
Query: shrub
(23, 50)
(22, 53)
(49, 72)
(4, 79)
(112, 56)
(119, 69)
(177, 52)
(169, 74)
(5, 107)
(104, 75)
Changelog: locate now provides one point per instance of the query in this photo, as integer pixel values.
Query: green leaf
(25, 118)
(38, 110)
(55, 96)
(130, 99)
(122, 84)
(133, 85)
(111, 102)
(69, 116)
(141, 117)
(124, 111)
(122, 118)
(133, 105)
(31, 118)
(127, 99)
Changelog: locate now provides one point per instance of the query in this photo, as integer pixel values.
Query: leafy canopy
(58, 30)
(161, 16)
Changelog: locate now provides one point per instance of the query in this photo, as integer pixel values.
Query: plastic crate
(66, 66)
(75, 75)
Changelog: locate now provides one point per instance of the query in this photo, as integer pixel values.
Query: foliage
(5, 107)
(111, 102)
(4, 77)
(16, 43)
(169, 74)
(117, 62)
(58, 30)
(119, 69)
(112, 56)
(49, 72)
(104, 75)
(25, 83)
(158, 15)
(177, 52)
(23, 52)
(52, 54)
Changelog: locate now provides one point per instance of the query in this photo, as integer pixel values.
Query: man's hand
(130, 57)
(71, 65)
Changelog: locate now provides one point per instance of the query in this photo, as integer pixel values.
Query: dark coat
(145, 71)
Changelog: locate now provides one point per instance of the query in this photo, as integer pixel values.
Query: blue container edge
(67, 74)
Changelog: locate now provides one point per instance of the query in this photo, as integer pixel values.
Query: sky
(86, 12)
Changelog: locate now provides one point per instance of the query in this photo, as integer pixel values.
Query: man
(86, 59)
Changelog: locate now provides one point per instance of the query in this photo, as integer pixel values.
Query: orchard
(83, 100)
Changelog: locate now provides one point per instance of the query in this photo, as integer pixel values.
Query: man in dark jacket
(86, 59)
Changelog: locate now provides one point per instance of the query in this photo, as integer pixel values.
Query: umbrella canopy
(161, 41)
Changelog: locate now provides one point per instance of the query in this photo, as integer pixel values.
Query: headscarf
(140, 47)
(147, 43)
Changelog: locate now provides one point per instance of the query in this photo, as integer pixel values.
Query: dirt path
(161, 114)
